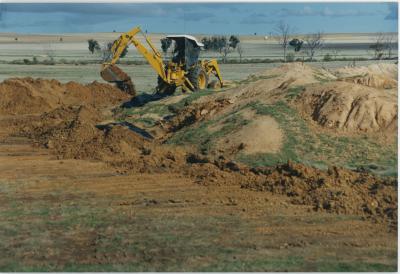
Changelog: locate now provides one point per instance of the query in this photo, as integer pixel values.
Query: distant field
(75, 47)
(143, 75)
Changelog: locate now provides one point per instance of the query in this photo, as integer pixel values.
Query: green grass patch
(201, 135)
(294, 92)
(358, 266)
(253, 78)
(318, 149)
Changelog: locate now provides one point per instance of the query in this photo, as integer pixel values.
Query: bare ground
(81, 192)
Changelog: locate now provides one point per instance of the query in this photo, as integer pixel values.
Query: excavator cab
(186, 50)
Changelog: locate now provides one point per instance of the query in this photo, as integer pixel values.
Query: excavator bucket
(113, 74)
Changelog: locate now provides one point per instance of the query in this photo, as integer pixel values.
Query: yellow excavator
(184, 70)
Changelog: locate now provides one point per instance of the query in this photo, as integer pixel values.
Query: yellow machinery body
(170, 74)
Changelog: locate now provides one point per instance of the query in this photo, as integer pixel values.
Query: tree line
(308, 45)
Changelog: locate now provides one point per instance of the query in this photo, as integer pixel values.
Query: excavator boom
(111, 73)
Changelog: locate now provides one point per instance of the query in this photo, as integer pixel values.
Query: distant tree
(16, 38)
(206, 42)
(61, 39)
(93, 45)
(106, 51)
(388, 42)
(296, 44)
(282, 34)
(327, 57)
(221, 44)
(233, 41)
(378, 46)
(240, 51)
(313, 43)
(165, 44)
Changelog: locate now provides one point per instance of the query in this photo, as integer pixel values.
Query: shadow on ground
(129, 126)
(142, 99)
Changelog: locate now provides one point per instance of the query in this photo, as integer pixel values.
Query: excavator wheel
(164, 88)
(198, 77)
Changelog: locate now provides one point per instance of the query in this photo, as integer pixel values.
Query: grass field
(77, 214)
(143, 76)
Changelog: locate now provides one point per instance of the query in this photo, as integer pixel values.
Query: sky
(198, 18)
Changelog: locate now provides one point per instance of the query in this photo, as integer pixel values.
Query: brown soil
(336, 190)
(298, 74)
(260, 135)
(350, 107)
(32, 96)
(73, 132)
(70, 125)
(193, 113)
(376, 75)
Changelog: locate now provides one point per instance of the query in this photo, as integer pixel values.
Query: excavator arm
(111, 73)
(212, 67)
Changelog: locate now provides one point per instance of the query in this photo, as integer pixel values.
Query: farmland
(265, 174)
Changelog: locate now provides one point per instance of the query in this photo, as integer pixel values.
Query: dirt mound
(376, 75)
(350, 107)
(298, 74)
(261, 134)
(372, 80)
(73, 132)
(35, 96)
(336, 190)
(388, 70)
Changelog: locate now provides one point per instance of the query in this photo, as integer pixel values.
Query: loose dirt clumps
(68, 121)
(336, 190)
(74, 132)
(193, 113)
(35, 96)
(350, 107)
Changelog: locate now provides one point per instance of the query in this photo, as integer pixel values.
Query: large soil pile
(73, 132)
(376, 75)
(336, 190)
(350, 107)
(298, 73)
(35, 96)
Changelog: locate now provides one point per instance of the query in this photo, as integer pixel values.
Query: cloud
(257, 18)
(216, 20)
(133, 10)
(326, 12)
(197, 16)
(393, 11)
